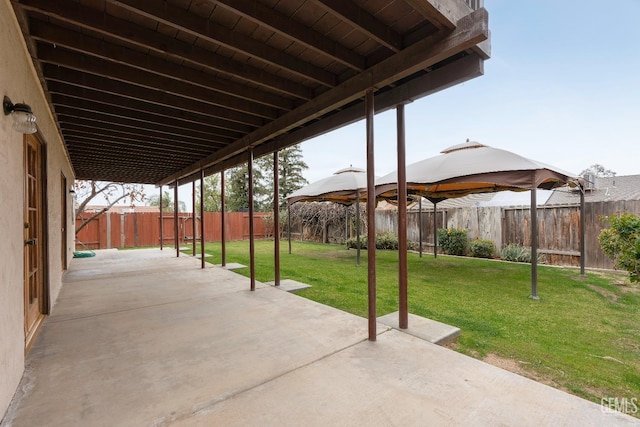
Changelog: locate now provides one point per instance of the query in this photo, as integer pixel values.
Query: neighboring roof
(617, 188)
(156, 91)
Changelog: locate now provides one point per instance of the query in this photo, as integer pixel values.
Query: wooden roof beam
(452, 74)
(471, 30)
(367, 23)
(181, 19)
(131, 34)
(283, 25)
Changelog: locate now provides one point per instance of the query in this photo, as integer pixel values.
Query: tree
(211, 192)
(237, 188)
(112, 192)
(598, 170)
(167, 202)
(290, 168)
(621, 242)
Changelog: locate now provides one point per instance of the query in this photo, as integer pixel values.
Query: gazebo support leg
(534, 246)
(582, 235)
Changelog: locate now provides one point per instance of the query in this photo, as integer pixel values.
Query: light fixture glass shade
(24, 121)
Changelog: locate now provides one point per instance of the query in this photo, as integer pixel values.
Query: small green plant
(387, 241)
(481, 248)
(621, 242)
(453, 241)
(383, 241)
(515, 253)
(352, 242)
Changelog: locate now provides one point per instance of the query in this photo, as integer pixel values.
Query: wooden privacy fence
(558, 228)
(139, 229)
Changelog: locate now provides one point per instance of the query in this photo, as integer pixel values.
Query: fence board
(558, 228)
(140, 229)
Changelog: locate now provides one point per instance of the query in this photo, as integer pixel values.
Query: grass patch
(581, 336)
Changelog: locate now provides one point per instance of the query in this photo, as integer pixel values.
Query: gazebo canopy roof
(472, 167)
(344, 186)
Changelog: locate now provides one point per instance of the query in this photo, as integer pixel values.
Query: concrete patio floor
(142, 338)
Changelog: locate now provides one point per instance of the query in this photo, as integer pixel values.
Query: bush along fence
(140, 229)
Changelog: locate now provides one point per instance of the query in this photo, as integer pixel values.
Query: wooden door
(33, 242)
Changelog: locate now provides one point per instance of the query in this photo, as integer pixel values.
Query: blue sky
(562, 86)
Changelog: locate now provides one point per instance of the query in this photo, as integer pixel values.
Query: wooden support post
(371, 216)
(201, 218)
(176, 228)
(289, 225)
(223, 215)
(161, 222)
(403, 321)
(252, 261)
(195, 216)
(276, 219)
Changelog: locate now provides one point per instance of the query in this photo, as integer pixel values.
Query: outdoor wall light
(24, 121)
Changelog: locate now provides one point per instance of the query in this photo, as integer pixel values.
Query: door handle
(31, 242)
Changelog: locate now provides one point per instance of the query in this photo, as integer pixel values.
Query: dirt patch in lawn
(519, 367)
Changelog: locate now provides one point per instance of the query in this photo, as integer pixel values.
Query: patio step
(423, 328)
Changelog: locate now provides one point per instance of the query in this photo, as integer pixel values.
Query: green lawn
(581, 336)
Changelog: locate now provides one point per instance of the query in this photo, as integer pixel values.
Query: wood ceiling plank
(176, 141)
(300, 33)
(62, 37)
(113, 140)
(161, 103)
(123, 110)
(100, 67)
(366, 22)
(165, 122)
(215, 33)
(444, 14)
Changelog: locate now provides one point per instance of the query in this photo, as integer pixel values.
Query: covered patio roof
(155, 92)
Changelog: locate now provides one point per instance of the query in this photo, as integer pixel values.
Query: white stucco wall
(18, 81)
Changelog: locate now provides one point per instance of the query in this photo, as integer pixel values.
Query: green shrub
(383, 241)
(453, 241)
(515, 253)
(621, 242)
(387, 241)
(352, 242)
(481, 248)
